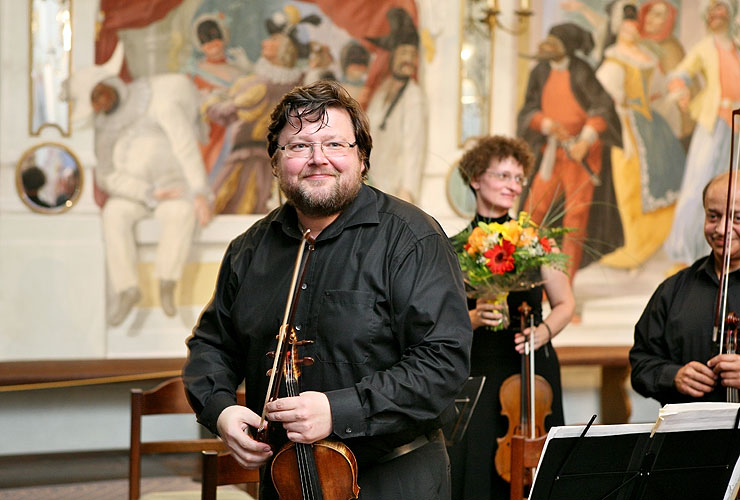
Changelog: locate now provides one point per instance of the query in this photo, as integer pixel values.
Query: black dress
(474, 475)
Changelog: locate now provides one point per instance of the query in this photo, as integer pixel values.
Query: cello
(324, 470)
(724, 331)
(526, 400)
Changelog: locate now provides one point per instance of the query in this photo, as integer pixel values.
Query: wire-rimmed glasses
(305, 149)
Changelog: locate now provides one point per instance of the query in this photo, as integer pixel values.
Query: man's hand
(559, 131)
(578, 150)
(203, 211)
(306, 418)
(727, 367)
(695, 379)
(232, 426)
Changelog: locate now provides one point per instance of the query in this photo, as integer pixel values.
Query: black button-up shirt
(383, 300)
(676, 328)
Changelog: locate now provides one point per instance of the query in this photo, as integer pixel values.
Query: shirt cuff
(588, 134)
(216, 404)
(667, 377)
(546, 126)
(347, 417)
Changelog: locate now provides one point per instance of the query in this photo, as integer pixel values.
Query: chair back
(525, 454)
(166, 398)
(220, 469)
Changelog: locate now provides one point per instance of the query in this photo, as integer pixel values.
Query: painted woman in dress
(647, 169)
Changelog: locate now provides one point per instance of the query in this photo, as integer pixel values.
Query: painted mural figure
(397, 111)
(214, 73)
(149, 165)
(647, 169)
(570, 123)
(244, 183)
(656, 22)
(717, 59)
(355, 62)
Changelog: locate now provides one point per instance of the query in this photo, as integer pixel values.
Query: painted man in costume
(397, 111)
(149, 164)
(570, 122)
(717, 59)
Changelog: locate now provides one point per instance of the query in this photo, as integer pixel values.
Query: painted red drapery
(120, 14)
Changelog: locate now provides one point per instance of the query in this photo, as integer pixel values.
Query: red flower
(500, 259)
(545, 245)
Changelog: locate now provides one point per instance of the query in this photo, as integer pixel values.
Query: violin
(724, 332)
(324, 470)
(526, 399)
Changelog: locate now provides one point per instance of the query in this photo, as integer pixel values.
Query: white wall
(52, 291)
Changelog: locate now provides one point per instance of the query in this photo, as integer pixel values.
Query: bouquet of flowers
(499, 258)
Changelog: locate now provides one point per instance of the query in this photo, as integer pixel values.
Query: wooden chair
(167, 398)
(221, 469)
(525, 454)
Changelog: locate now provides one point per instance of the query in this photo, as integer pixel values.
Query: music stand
(465, 403)
(689, 456)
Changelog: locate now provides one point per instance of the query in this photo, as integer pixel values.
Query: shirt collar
(560, 65)
(362, 210)
(708, 267)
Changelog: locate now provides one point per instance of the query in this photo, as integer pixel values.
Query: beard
(321, 204)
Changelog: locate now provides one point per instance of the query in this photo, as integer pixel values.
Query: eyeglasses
(507, 177)
(331, 149)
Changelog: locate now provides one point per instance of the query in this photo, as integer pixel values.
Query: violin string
(308, 487)
(729, 230)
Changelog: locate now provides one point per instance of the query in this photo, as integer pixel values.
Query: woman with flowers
(506, 262)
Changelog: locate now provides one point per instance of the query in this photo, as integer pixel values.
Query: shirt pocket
(347, 325)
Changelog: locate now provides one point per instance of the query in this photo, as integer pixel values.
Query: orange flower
(476, 241)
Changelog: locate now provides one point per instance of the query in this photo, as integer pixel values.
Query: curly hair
(498, 147)
(309, 104)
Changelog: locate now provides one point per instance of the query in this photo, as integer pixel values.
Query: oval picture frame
(49, 178)
(459, 195)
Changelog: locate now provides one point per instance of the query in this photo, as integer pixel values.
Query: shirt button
(348, 430)
(298, 327)
(304, 286)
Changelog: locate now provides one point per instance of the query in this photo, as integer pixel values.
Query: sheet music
(696, 417)
(672, 418)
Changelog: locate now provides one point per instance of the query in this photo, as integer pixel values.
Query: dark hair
(33, 178)
(498, 147)
(309, 104)
(208, 31)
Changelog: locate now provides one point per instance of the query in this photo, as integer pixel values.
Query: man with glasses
(383, 302)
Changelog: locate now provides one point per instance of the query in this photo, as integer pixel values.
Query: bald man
(674, 359)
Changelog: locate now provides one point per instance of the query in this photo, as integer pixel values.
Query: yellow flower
(511, 231)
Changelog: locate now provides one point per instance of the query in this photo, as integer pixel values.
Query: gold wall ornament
(48, 178)
(459, 195)
(50, 60)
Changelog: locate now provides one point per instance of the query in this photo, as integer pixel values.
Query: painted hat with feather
(403, 31)
(287, 22)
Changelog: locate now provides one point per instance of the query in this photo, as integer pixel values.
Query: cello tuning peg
(270, 354)
(307, 361)
(269, 372)
(303, 342)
